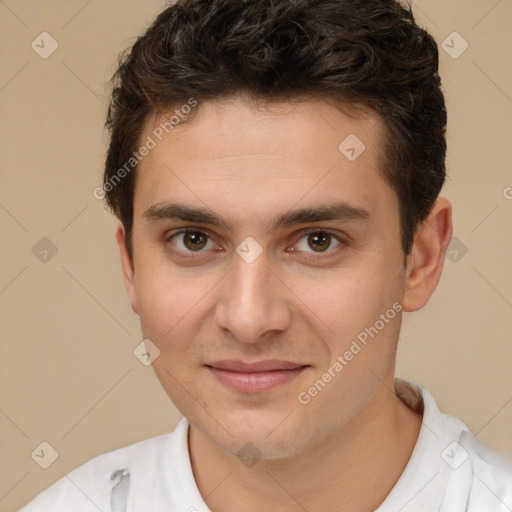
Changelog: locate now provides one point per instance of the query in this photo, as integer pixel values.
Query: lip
(255, 377)
(267, 365)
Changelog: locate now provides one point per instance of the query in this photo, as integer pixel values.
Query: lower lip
(255, 382)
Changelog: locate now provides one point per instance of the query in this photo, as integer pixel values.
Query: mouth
(255, 377)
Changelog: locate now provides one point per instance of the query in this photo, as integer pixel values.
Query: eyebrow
(340, 211)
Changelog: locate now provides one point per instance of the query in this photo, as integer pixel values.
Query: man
(275, 166)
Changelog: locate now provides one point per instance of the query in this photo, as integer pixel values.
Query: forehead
(234, 125)
(232, 152)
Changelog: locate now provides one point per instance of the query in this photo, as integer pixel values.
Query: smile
(255, 377)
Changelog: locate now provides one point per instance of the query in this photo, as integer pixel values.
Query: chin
(271, 435)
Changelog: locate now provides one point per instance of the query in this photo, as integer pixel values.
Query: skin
(347, 447)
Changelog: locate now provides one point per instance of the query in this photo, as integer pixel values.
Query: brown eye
(194, 241)
(317, 241)
(191, 241)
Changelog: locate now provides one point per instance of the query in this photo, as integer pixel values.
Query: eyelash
(191, 255)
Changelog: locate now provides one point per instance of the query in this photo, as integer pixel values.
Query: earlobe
(127, 266)
(425, 262)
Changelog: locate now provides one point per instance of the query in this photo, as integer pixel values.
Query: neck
(352, 470)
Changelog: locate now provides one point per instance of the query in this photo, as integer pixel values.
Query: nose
(253, 301)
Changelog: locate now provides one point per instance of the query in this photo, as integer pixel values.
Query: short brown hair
(365, 52)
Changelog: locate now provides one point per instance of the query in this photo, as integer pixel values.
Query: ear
(426, 259)
(127, 266)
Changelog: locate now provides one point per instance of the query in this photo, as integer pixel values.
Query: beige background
(68, 375)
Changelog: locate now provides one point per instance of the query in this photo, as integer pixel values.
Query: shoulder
(468, 476)
(491, 472)
(89, 487)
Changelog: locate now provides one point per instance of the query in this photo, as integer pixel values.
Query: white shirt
(449, 471)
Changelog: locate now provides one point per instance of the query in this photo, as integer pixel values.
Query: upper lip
(258, 366)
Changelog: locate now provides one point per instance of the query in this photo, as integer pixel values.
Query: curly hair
(356, 52)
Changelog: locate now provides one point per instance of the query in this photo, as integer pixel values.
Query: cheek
(155, 283)
(345, 297)
(157, 298)
(349, 303)
(170, 300)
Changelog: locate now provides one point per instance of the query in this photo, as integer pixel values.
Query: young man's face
(211, 302)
